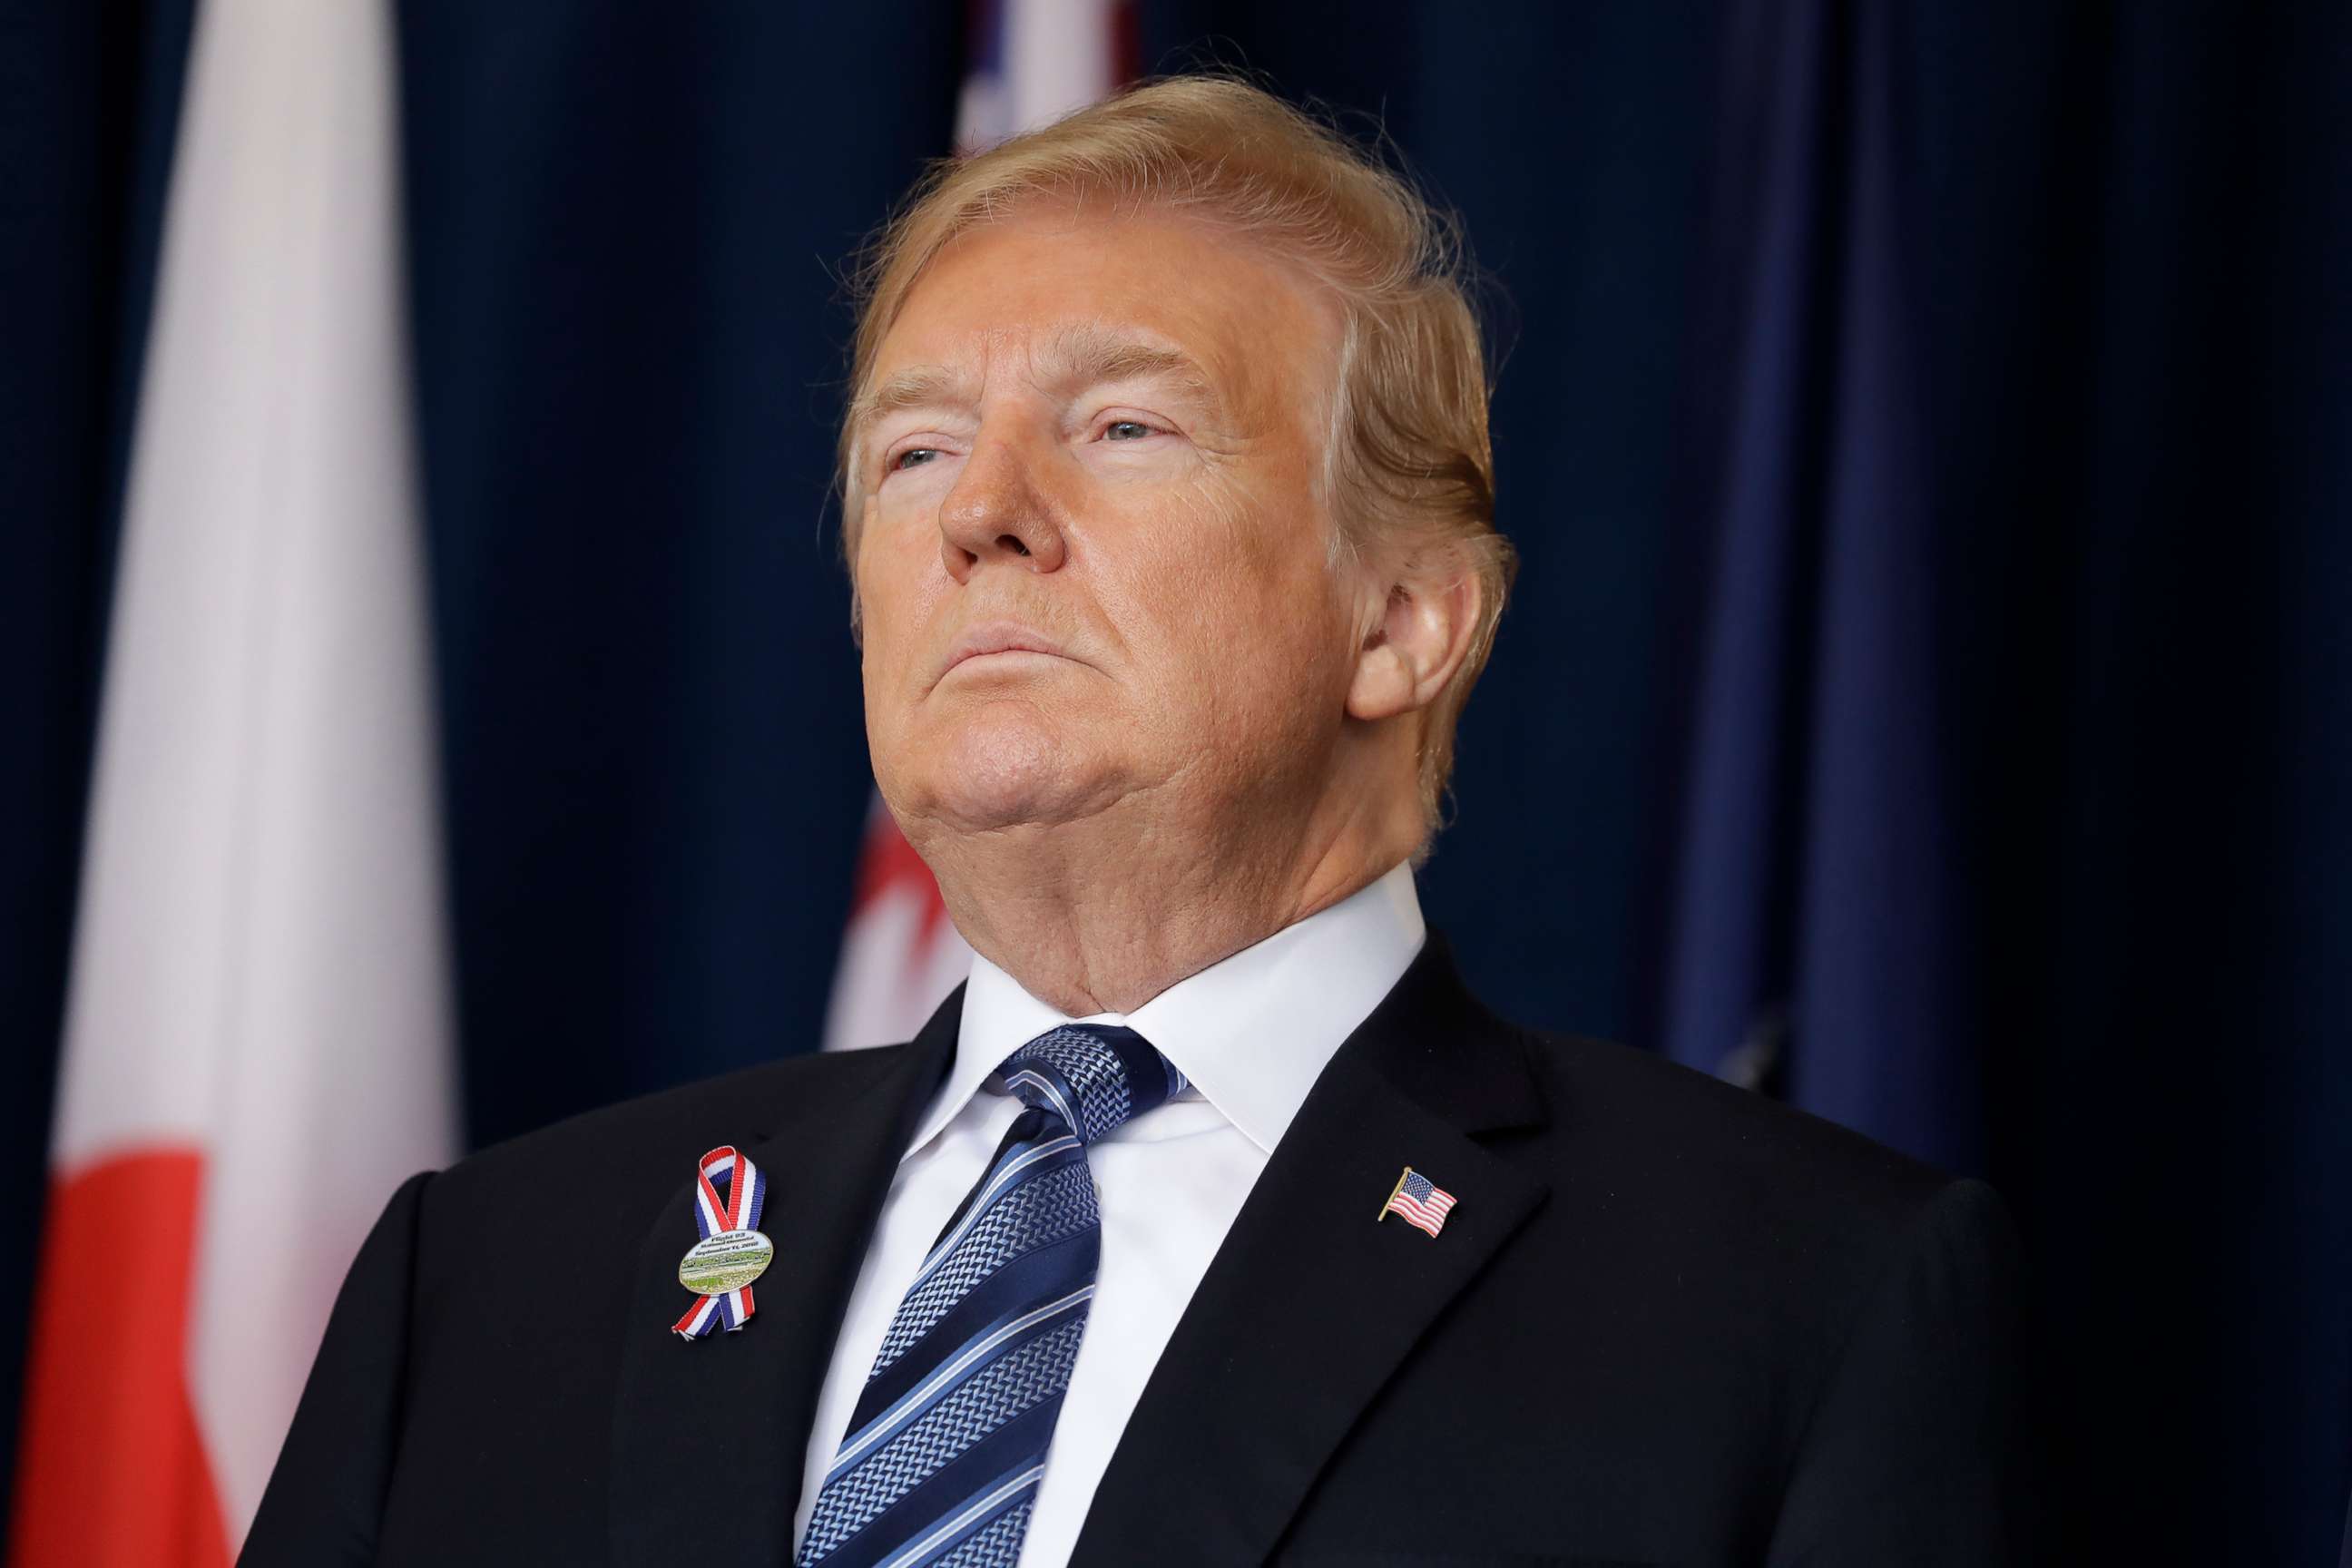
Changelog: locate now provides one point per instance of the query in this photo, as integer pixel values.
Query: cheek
(898, 588)
(1245, 622)
(1273, 588)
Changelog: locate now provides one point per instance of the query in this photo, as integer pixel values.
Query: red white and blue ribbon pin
(719, 1267)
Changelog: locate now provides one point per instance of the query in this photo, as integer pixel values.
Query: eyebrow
(922, 386)
(1088, 355)
(1075, 357)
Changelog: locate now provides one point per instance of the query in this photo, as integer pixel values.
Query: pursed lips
(994, 637)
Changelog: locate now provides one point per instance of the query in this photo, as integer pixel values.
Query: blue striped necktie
(941, 1464)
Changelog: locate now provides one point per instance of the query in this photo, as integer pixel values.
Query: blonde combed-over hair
(1409, 474)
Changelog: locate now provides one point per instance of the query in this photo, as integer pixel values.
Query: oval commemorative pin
(727, 1261)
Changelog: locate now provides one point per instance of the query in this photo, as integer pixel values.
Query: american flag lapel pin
(1422, 1202)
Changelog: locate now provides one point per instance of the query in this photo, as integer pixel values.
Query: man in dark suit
(1212, 1221)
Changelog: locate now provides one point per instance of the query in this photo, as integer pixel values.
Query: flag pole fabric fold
(257, 1033)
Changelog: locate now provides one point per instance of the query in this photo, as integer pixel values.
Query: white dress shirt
(1253, 1034)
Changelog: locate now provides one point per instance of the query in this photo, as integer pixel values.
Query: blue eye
(1125, 430)
(913, 456)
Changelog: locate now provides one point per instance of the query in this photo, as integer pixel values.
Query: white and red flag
(901, 954)
(257, 1037)
(1032, 60)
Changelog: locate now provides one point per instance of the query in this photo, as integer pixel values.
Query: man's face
(1093, 559)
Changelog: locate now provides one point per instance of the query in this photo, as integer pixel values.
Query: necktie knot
(947, 1445)
(1094, 1077)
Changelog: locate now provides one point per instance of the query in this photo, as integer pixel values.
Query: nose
(997, 513)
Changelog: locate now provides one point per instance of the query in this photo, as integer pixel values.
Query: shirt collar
(1252, 1032)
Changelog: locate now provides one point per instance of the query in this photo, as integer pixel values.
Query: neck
(1102, 914)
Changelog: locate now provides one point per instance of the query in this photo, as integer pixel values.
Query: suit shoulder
(1747, 1220)
(1701, 1140)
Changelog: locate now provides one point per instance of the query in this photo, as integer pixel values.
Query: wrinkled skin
(1118, 693)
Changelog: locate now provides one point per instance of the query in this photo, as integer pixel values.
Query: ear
(1419, 635)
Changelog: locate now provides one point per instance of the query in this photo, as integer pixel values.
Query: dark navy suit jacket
(1667, 1322)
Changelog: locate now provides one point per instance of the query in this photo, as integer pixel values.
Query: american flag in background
(1423, 1203)
(1031, 60)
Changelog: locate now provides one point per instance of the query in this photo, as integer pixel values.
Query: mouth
(999, 643)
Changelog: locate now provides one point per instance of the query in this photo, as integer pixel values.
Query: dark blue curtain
(1929, 695)
(627, 223)
(2014, 730)
(1813, 914)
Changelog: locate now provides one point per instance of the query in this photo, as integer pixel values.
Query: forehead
(1058, 287)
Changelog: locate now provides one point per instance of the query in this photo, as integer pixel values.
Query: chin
(1006, 766)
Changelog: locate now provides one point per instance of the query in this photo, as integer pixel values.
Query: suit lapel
(709, 1436)
(1311, 1305)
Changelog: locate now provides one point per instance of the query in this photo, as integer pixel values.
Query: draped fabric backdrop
(1928, 434)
